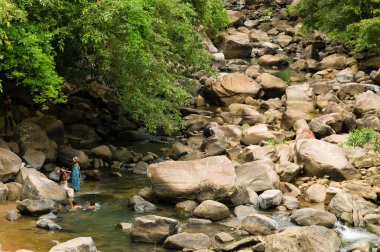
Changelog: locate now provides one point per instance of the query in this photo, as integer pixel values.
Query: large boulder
(259, 133)
(48, 224)
(33, 207)
(140, 205)
(237, 45)
(66, 155)
(26, 172)
(230, 88)
(320, 158)
(367, 102)
(153, 229)
(272, 85)
(103, 152)
(300, 97)
(351, 208)
(42, 188)
(273, 60)
(34, 158)
(187, 241)
(80, 244)
(315, 193)
(326, 125)
(334, 61)
(210, 178)
(30, 136)
(258, 224)
(10, 164)
(311, 216)
(302, 239)
(53, 127)
(257, 176)
(212, 210)
(82, 136)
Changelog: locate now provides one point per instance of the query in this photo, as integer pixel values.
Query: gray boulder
(311, 216)
(48, 224)
(80, 244)
(320, 158)
(185, 240)
(33, 207)
(212, 210)
(153, 228)
(258, 224)
(301, 239)
(270, 198)
(10, 164)
(42, 188)
(210, 178)
(140, 205)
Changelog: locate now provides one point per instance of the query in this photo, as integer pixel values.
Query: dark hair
(74, 203)
(92, 203)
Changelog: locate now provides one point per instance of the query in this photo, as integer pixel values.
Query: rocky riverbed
(261, 166)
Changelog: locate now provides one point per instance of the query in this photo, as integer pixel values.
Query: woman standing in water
(75, 175)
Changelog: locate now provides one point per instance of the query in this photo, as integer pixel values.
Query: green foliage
(146, 50)
(274, 142)
(245, 126)
(356, 23)
(363, 136)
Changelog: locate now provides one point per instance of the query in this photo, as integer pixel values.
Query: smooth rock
(80, 244)
(258, 224)
(270, 198)
(311, 216)
(212, 210)
(187, 241)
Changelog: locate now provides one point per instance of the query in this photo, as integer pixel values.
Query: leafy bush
(146, 50)
(363, 136)
(356, 23)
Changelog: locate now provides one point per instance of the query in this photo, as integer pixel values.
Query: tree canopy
(146, 50)
(354, 22)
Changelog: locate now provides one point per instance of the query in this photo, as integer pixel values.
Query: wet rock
(224, 237)
(236, 45)
(213, 177)
(244, 196)
(147, 193)
(360, 246)
(153, 228)
(50, 216)
(34, 158)
(48, 224)
(299, 239)
(42, 188)
(93, 174)
(12, 215)
(351, 208)
(178, 150)
(212, 210)
(186, 206)
(187, 241)
(257, 176)
(3, 192)
(230, 88)
(311, 216)
(375, 229)
(140, 205)
(197, 221)
(77, 244)
(125, 226)
(140, 168)
(10, 164)
(315, 156)
(259, 224)
(315, 193)
(41, 206)
(270, 198)
(14, 191)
